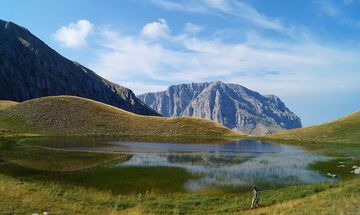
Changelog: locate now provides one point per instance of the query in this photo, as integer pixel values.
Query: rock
(355, 167)
(331, 175)
(31, 69)
(357, 171)
(232, 105)
(340, 165)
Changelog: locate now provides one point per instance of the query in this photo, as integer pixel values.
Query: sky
(306, 52)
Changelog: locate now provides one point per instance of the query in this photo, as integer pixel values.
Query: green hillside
(68, 115)
(343, 130)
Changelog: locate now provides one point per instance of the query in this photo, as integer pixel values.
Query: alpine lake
(164, 166)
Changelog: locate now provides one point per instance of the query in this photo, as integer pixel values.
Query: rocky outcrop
(31, 69)
(232, 105)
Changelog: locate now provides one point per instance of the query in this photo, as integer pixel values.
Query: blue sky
(305, 52)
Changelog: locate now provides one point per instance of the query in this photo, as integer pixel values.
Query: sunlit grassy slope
(13, 126)
(6, 104)
(26, 196)
(340, 200)
(68, 115)
(343, 130)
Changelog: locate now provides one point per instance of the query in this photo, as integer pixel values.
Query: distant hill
(68, 115)
(343, 130)
(31, 69)
(232, 105)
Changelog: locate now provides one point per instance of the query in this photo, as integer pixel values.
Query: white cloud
(306, 68)
(192, 28)
(335, 10)
(156, 30)
(222, 5)
(228, 7)
(179, 6)
(74, 35)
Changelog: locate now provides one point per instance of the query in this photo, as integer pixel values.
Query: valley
(74, 142)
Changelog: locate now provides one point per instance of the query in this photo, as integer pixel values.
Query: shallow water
(236, 164)
(240, 146)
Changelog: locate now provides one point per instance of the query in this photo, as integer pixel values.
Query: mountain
(69, 115)
(232, 105)
(31, 69)
(343, 130)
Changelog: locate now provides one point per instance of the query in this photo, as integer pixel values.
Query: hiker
(255, 198)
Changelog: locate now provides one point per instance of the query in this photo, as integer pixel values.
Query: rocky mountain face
(31, 69)
(232, 105)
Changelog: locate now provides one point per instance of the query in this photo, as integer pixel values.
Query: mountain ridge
(232, 105)
(29, 69)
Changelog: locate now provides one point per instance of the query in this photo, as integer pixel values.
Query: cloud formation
(74, 35)
(225, 7)
(262, 64)
(192, 28)
(156, 30)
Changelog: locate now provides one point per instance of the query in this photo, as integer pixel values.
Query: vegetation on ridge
(343, 130)
(68, 115)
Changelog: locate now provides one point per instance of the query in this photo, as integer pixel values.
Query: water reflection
(242, 146)
(239, 163)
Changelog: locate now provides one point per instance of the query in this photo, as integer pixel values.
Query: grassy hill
(6, 104)
(343, 130)
(68, 115)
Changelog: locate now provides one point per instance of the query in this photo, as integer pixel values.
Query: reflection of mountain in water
(206, 159)
(237, 169)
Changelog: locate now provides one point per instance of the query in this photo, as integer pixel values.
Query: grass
(335, 167)
(345, 130)
(68, 115)
(342, 199)
(129, 180)
(13, 126)
(4, 104)
(26, 196)
(116, 180)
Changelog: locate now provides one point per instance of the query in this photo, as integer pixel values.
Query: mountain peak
(232, 105)
(216, 82)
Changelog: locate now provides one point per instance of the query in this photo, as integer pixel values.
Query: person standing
(255, 198)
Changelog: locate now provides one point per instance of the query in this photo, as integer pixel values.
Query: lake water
(241, 163)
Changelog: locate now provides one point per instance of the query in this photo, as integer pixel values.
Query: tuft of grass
(69, 115)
